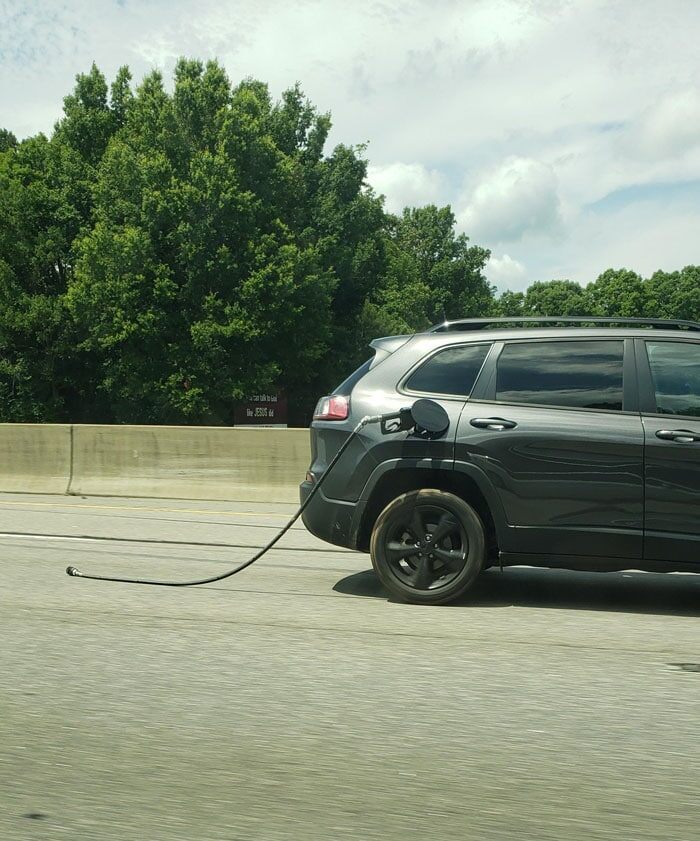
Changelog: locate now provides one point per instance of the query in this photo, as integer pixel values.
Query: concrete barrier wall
(35, 458)
(165, 461)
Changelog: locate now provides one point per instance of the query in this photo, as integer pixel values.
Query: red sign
(265, 409)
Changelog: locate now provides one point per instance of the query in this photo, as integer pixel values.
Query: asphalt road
(295, 702)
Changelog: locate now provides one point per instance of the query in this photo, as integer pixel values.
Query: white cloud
(541, 108)
(519, 197)
(636, 236)
(506, 273)
(670, 127)
(640, 238)
(406, 185)
(157, 52)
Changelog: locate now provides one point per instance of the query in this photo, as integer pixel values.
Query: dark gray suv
(572, 443)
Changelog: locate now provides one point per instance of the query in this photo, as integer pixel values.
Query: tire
(428, 547)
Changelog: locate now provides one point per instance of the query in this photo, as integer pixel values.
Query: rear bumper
(332, 520)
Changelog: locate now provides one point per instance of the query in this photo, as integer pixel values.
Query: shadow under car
(619, 592)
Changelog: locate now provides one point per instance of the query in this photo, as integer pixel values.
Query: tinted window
(675, 370)
(451, 371)
(584, 375)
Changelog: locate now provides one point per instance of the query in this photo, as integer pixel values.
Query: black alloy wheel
(428, 546)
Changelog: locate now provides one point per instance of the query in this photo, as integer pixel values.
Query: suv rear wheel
(428, 547)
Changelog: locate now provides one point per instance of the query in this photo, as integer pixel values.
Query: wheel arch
(462, 480)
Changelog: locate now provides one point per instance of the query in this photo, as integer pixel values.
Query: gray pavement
(295, 702)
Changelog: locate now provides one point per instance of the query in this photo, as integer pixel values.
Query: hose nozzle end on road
(73, 572)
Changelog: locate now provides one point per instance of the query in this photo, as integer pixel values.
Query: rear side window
(581, 375)
(450, 371)
(675, 370)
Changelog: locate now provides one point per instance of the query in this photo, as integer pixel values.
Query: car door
(670, 404)
(553, 424)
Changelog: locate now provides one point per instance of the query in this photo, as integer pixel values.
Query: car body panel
(672, 474)
(570, 482)
(672, 467)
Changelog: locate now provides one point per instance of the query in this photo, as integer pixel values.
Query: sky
(565, 134)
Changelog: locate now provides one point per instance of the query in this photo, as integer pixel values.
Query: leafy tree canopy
(431, 273)
(616, 292)
(164, 253)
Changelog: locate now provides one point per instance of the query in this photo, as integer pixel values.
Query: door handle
(681, 436)
(497, 424)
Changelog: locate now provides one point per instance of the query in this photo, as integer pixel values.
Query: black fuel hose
(76, 573)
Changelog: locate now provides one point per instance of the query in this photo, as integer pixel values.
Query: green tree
(347, 221)
(163, 254)
(46, 203)
(673, 294)
(121, 96)
(89, 122)
(617, 292)
(509, 304)
(196, 285)
(556, 297)
(432, 273)
(7, 140)
(42, 206)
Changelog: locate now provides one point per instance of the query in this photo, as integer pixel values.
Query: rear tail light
(334, 407)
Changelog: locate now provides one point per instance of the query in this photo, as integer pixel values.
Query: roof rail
(584, 320)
